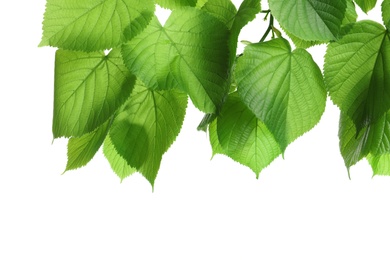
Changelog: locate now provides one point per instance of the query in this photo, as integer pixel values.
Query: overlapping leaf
(94, 25)
(190, 52)
(82, 149)
(147, 126)
(118, 164)
(284, 89)
(380, 164)
(173, 4)
(386, 13)
(310, 20)
(224, 10)
(373, 139)
(357, 72)
(89, 87)
(366, 5)
(349, 17)
(243, 137)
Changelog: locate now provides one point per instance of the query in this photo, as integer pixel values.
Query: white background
(302, 207)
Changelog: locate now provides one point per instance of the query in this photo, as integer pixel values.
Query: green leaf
(380, 164)
(386, 13)
(366, 5)
(284, 89)
(245, 138)
(174, 4)
(357, 72)
(310, 20)
(373, 139)
(190, 52)
(350, 17)
(213, 137)
(118, 164)
(224, 10)
(88, 89)
(94, 25)
(350, 13)
(246, 13)
(147, 126)
(82, 149)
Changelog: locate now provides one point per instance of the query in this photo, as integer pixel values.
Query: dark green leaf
(190, 52)
(147, 126)
(310, 20)
(94, 25)
(284, 89)
(89, 87)
(357, 72)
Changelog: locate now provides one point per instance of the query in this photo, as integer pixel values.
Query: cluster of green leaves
(122, 79)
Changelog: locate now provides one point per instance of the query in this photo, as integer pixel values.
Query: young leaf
(82, 149)
(94, 25)
(88, 89)
(190, 52)
(174, 4)
(118, 164)
(284, 89)
(310, 20)
(245, 138)
(386, 13)
(380, 164)
(147, 126)
(357, 72)
(366, 5)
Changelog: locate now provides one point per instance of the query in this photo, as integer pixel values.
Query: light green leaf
(190, 52)
(174, 4)
(357, 72)
(310, 20)
(366, 5)
(244, 138)
(373, 139)
(224, 10)
(213, 137)
(284, 89)
(246, 13)
(380, 164)
(118, 164)
(147, 126)
(350, 13)
(82, 149)
(88, 89)
(94, 25)
(386, 13)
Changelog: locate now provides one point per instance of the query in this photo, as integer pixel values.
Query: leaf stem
(269, 29)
